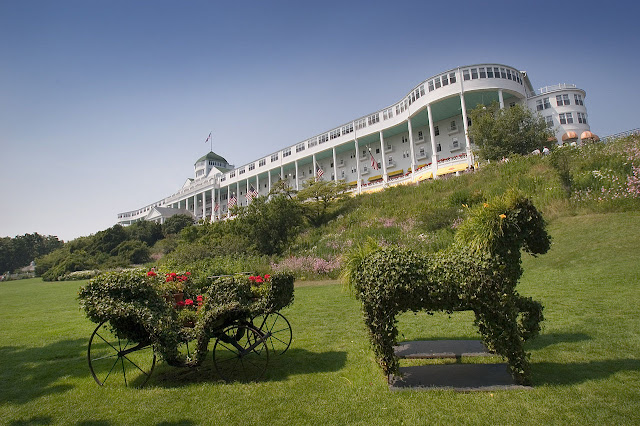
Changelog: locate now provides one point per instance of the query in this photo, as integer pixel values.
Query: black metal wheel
(277, 329)
(116, 361)
(240, 353)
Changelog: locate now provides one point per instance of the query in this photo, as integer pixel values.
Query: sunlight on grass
(586, 367)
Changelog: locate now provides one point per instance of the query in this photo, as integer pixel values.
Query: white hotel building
(422, 136)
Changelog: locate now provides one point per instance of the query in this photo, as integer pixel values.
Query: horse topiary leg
(383, 333)
(500, 333)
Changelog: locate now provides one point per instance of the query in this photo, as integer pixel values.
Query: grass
(586, 366)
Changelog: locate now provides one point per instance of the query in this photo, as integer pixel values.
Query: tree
(499, 132)
(268, 225)
(146, 231)
(176, 223)
(318, 199)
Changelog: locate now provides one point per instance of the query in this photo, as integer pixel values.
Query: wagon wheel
(240, 353)
(119, 361)
(275, 323)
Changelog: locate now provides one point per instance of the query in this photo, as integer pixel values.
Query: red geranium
(151, 273)
(188, 302)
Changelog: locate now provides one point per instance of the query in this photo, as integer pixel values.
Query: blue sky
(106, 105)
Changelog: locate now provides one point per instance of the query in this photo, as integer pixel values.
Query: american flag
(208, 137)
(319, 172)
(374, 163)
(232, 201)
(251, 194)
(217, 206)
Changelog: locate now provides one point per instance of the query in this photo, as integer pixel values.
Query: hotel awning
(396, 173)
(569, 136)
(452, 169)
(589, 135)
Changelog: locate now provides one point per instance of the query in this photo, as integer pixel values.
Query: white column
(219, 206)
(411, 147)
(432, 135)
(501, 98)
(463, 105)
(358, 166)
(228, 198)
(269, 176)
(195, 205)
(335, 166)
(257, 185)
(315, 167)
(213, 205)
(238, 193)
(247, 193)
(384, 158)
(297, 177)
(204, 205)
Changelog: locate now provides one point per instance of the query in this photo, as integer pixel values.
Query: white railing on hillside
(622, 134)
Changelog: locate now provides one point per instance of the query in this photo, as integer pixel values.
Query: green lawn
(586, 363)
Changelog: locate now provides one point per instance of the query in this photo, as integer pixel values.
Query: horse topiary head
(505, 223)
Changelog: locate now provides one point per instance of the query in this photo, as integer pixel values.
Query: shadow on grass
(28, 373)
(293, 362)
(552, 373)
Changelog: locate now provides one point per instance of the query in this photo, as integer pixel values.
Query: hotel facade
(422, 136)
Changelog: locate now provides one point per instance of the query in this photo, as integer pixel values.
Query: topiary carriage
(140, 314)
(478, 272)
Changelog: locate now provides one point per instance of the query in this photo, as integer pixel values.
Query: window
(453, 125)
(509, 74)
(562, 100)
(262, 162)
(503, 73)
(489, 72)
(483, 74)
(241, 171)
(455, 144)
(252, 166)
(437, 80)
(286, 152)
(406, 154)
(390, 160)
(300, 147)
(436, 130)
(582, 118)
(539, 106)
(465, 75)
(373, 119)
(342, 174)
(323, 138)
(353, 170)
(387, 113)
(361, 124)
(404, 139)
(445, 80)
(578, 99)
(274, 157)
(420, 136)
(312, 142)
(438, 148)
(547, 103)
(452, 77)
(512, 104)
(496, 72)
(474, 73)
(549, 120)
(422, 152)
(566, 118)
(421, 90)
(347, 129)
(468, 121)
(232, 174)
(430, 84)
(334, 134)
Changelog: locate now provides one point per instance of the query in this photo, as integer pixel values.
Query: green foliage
(21, 250)
(321, 200)
(176, 223)
(268, 226)
(503, 132)
(139, 306)
(133, 251)
(478, 272)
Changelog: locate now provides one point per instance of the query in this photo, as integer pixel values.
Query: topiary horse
(478, 272)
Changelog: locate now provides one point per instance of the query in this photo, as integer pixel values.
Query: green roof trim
(212, 156)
